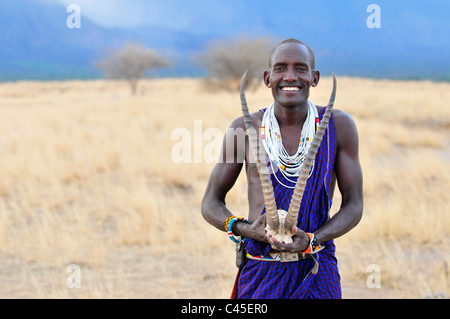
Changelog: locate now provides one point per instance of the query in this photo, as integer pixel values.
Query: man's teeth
(290, 88)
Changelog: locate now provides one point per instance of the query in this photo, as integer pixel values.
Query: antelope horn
(294, 207)
(258, 153)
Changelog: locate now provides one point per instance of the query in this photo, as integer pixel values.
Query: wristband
(229, 221)
(313, 247)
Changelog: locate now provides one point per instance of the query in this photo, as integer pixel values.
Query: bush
(227, 60)
(130, 63)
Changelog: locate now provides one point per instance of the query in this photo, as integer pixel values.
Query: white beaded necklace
(288, 165)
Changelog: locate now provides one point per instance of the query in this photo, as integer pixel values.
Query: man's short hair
(292, 40)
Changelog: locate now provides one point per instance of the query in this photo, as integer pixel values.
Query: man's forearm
(215, 212)
(341, 222)
(255, 230)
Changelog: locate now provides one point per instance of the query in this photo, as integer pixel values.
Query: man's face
(291, 75)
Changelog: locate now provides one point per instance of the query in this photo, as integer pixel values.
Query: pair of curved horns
(272, 218)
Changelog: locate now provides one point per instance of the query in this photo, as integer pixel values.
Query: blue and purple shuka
(261, 279)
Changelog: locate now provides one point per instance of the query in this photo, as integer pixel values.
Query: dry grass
(87, 178)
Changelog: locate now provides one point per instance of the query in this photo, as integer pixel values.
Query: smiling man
(291, 118)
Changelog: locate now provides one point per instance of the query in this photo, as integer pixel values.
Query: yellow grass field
(88, 182)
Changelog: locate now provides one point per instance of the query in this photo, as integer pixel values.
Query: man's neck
(291, 116)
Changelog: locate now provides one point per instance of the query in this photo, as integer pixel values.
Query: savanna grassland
(87, 178)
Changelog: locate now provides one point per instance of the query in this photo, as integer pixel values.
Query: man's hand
(256, 230)
(300, 242)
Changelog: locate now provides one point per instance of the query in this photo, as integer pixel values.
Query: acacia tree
(130, 63)
(227, 60)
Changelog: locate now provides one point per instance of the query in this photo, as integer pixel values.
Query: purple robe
(288, 280)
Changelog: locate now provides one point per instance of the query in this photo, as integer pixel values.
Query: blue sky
(113, 13)
(215, 15)
(413, 33)
(173, 14)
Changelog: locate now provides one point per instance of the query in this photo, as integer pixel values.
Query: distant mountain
(36, 43)
(411, 43)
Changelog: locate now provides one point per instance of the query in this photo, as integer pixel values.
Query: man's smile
(290, 88)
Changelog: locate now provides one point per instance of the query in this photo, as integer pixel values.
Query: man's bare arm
(349, 179)
(222, 179)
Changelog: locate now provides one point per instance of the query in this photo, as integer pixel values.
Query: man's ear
(316, 78)
(267, 78)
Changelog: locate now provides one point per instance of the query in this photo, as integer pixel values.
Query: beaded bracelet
(228, 224)
(313, 247)
(227, 221)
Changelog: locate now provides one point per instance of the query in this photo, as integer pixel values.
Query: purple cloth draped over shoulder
(289, 280)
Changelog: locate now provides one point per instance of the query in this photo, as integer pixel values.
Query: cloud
(114, 13)
(192, 15)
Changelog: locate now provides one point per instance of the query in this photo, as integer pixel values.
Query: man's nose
(290, 75)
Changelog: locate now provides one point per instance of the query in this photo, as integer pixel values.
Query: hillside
(411, 43)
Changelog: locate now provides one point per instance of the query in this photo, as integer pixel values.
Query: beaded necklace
(289, 166)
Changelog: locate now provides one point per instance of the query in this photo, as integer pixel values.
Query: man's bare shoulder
(239, 122)
(345, 126)
(346, 131)
(342, 118)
